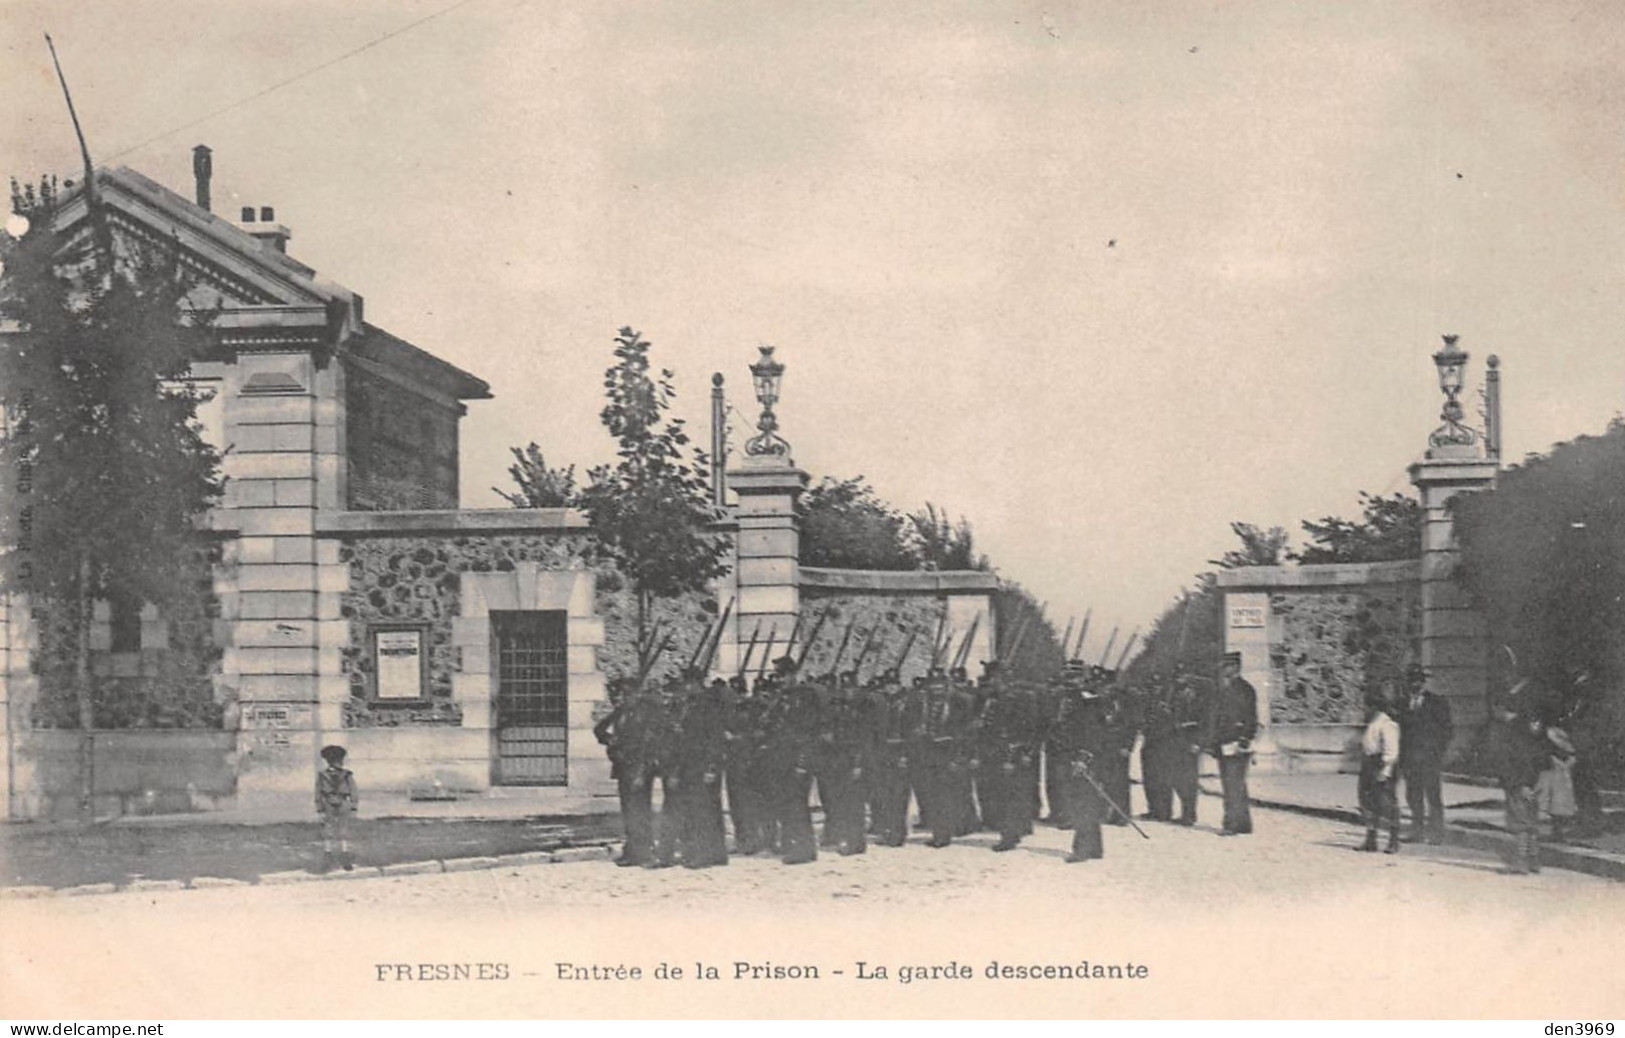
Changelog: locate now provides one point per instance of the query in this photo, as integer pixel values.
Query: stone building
(455, 652)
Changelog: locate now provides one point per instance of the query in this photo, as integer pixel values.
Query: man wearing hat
(1230, 740)
(1424, 730)
(794, 724)
(1080, 734)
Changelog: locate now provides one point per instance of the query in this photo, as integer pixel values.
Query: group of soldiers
(971, 755)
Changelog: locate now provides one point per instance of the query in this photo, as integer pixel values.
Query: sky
(1099, 277)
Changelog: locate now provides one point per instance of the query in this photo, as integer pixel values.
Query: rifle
(1105, 655)
(1066, 639)
(1019, 637)
(1077, 650)
(811, 640)
(767, 654)
(643, 672)
(908, 643)
(964, 648)
(710, 631)
(751, 650)
(1132, 638)
(790, 646)
(835, 666)
(938, 650)
(645, 645)
(863, 653)
(936, 639)
(1184, 628)
(716, 641)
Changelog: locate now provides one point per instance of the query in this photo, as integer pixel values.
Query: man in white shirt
(1379, 757)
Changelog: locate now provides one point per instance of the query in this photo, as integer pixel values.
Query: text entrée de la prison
(742, 971)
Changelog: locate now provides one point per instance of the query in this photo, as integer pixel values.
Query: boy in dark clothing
(336, 802)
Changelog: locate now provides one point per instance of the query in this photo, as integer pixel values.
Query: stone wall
(415, 579)
(895, 615)
(1336, 644)
(152, 772)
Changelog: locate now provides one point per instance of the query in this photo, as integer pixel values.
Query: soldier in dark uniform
(900, 718)
(944, 748)
(622, 732)
(792, 738)
(969, 804)
(745, 808)
(661, 759)
(1230, 740)
(845, 751)
(1122, 726)
(1424, 735)
(1012, 733)
(1081, 738)
(1185, 750)
(701, 758)
(1517, 751)
(1159, 740)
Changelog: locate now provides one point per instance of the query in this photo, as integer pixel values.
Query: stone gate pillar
(1454, 649)
(767, 569)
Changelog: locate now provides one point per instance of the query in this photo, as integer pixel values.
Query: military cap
(333, 754)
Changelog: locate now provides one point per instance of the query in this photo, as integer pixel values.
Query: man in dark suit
(1083, 742)
(1230, 740)
(1424, 735)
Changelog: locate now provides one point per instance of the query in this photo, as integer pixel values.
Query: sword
(1112, 803)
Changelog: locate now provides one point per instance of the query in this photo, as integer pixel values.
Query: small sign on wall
(399, 656)
(1246, 616)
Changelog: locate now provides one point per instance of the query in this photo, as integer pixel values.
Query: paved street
(1216, 918)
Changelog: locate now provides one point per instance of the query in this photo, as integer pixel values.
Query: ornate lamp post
(1452, 364)
(765, 375)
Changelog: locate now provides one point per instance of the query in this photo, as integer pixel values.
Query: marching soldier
(622, 733)
(942, 748)
(900, 717)
(1011, 735)
(1159, 743)
(1122, 726)
(701, 757)
(1185, 750)
(661, 759)
(792, 737)
(1234, 723)
(748, 804)
(1081, 737)
(845, 752)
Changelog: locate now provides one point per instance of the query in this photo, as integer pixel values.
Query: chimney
(261, 223)
(202, 170)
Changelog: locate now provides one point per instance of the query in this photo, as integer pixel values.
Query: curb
(583, 852)
(1574, 859)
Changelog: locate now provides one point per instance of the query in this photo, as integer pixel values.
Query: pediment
(234, 270)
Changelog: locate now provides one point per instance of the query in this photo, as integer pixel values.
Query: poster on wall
(400, 664)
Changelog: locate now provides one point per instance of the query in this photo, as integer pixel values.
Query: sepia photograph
(961, 509)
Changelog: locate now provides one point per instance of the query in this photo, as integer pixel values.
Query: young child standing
(336, 803)
(1554, 792)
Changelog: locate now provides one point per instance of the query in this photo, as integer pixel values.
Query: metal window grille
(532, 708)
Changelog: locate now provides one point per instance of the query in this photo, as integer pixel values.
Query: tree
(846, 526)
(540, 486)
(112, 473)
(652, 511)
(1259, 547)
(944, 545)
(1389, 529)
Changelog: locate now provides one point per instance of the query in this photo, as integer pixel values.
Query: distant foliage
(1038, 653)
(1389, 529)
(1259, 547)
(1544, 555)
(844, 525)
(539, 485)
(944, 545)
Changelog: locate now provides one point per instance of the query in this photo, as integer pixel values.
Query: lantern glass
(1450, 376)
(765, 375)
